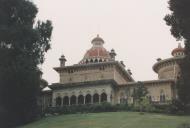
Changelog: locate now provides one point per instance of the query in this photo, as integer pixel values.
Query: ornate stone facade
(98, 77)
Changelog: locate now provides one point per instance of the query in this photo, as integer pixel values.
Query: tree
(43, 83)
(139, 93)
(23, 43)
(179, 20)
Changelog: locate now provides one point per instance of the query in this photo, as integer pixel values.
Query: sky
(135, 29)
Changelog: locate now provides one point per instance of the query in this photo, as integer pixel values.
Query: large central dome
(97, 53)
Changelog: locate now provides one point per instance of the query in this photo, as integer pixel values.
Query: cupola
(97, 53)
(179, 51)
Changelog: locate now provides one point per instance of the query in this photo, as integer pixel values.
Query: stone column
(76, 100)
(53, 102)
(99, 99)
(84, 99)
(111, 99)
(69, 101)
(108, 98)
(92, 99)
(61, 102)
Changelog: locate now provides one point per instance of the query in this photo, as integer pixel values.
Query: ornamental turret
(169, 68)
(179, 51)
(113, 54)
(62, 61)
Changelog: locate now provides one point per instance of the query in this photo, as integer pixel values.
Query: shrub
(184, 125)
(176, 107)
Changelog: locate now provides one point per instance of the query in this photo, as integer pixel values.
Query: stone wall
(118, 77)
(157, 89)
(93, 74)
(168, 72)
(87, 75)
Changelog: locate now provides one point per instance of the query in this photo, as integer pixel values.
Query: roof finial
(179, 45)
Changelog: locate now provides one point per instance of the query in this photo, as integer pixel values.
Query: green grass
(110, 120)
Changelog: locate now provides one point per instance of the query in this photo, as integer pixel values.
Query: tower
(62, 61)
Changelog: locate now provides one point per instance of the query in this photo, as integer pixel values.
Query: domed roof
(179, 49)
(97, 53)
(97, 39)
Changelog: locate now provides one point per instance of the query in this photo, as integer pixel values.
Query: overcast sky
(134, 28)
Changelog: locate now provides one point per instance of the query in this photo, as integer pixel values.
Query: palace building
(99, 77)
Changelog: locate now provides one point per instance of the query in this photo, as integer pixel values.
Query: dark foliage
(139, 92)
(95, 108)
(22, 48)
(184, 125)
(183, 83)
(179, 20)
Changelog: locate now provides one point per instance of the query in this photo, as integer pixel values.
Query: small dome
(179, 51)
(97, 41)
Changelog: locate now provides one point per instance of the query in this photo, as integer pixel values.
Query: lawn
(110, 120)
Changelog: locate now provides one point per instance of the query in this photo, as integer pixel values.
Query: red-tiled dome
(179, 49)
(97, 53)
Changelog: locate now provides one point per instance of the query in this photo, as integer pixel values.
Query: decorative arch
(96, 98)
(88, 98)
(66, 100)
(80, 92)
(58, 101)
(87, 61)
(96, 60)
(88, 92)
(103, 91)
(162, 96)
(122, 98)
(73, 93)
(80, 99)
(103, 97)
(95, 91)
(73, 100)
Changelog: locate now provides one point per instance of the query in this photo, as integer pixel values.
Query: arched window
(80, 99)
(103, 97)
(66, 100)
(58, 101)
(96, 60)
(91, 60)
(96, 98)
(162, 96)
(88, 99)
(100, 60)
(86, 61)
(73, 100)
(122, 98)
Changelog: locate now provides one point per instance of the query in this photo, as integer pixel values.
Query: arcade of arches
(80, 100)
